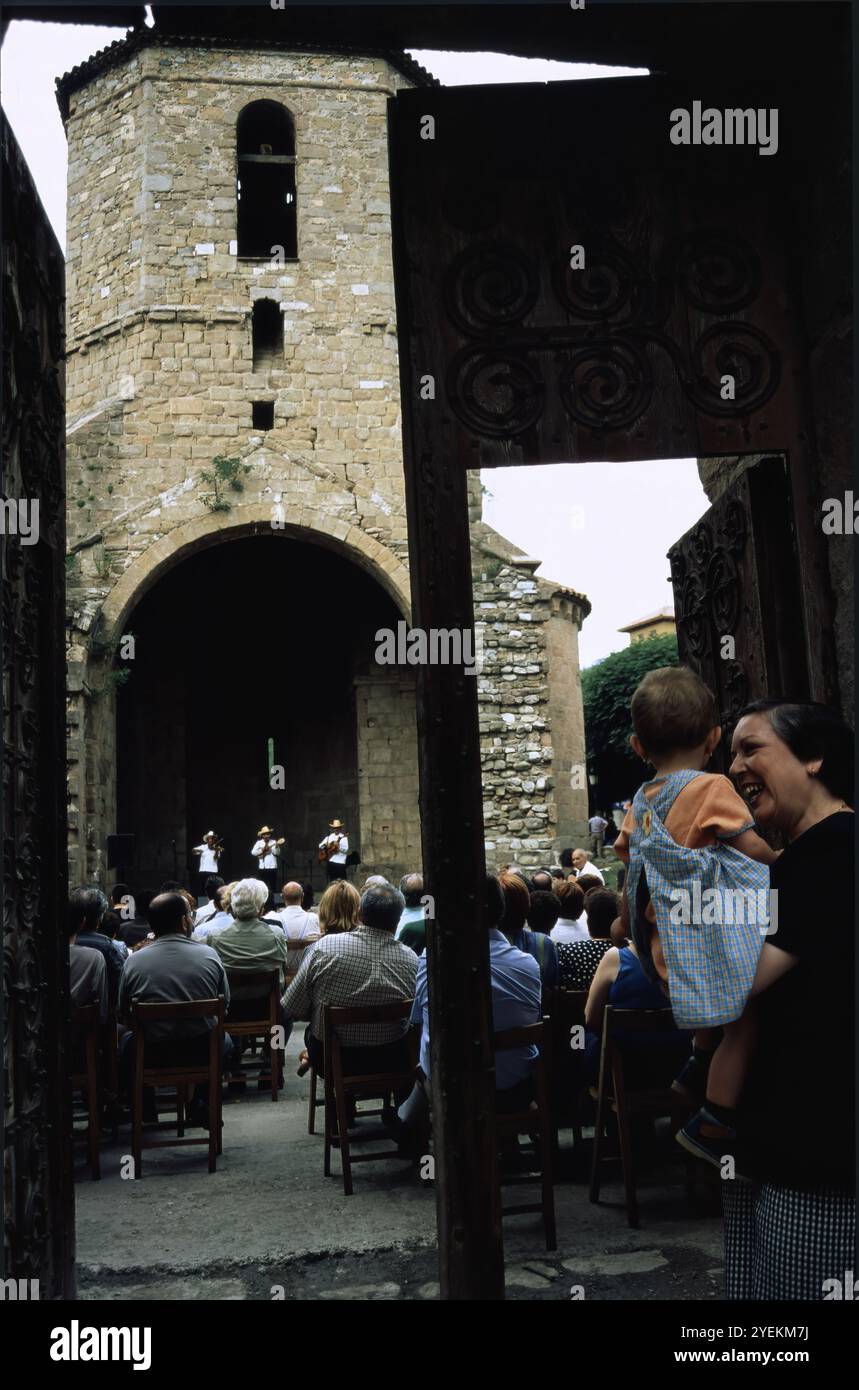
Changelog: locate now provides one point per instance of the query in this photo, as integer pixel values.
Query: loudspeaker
(120, 851)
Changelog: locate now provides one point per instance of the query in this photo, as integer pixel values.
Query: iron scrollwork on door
(708, 576)
(608, 329)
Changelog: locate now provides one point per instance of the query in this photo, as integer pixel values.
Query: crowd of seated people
(354, 949)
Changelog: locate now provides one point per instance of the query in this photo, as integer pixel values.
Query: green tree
(607, 689)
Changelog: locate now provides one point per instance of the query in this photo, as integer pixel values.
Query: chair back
(175, 1011)
(254, 984)
(336, 1017)
(531, 1035)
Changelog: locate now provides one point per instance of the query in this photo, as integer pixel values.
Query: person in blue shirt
(516, 988)
(517, 905)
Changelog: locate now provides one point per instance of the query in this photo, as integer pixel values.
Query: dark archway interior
(250, 641)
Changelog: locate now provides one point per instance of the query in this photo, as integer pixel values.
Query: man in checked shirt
(354, 969)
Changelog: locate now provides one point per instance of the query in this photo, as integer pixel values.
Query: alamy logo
(19, 1290)
(734, 126)
(846, 1289)
(78, 1343)
(725, 907)
(437, 646)
(20, 517)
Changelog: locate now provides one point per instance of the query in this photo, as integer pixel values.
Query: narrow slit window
(262, 415)
(266, 224)
(267, 330)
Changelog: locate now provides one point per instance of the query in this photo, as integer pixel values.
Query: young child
(688, 827)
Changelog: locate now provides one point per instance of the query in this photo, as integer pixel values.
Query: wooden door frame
(675, 411)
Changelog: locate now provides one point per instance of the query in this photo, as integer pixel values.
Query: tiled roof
(142, 37)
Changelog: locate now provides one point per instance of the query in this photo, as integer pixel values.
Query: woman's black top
(797, 1115)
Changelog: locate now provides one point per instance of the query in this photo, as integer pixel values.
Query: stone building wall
(390, 827)
(529, 694)
(161, 380)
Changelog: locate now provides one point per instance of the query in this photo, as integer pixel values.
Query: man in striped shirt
(354, 969)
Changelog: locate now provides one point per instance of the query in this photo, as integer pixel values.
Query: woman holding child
(772, 1019)
(790, 1230)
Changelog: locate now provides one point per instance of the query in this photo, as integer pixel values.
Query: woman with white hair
(250, 944)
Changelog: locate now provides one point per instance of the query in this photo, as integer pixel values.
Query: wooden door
(513, 352)
(736, 578)
(38, 1189)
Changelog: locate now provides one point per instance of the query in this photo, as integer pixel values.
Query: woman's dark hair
(601, 908)
(813, 731)
(544, 911)
(571, 898)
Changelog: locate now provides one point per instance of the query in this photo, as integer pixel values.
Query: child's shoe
(691, 1084)
(706, 1137)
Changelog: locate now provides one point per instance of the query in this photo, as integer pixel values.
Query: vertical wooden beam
(463, 1076)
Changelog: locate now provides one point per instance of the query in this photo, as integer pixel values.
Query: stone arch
(250, 519)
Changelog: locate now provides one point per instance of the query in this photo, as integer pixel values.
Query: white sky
(601, 528)
(631, 513)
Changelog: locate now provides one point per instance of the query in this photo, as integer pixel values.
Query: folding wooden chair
(181, 1077)
(87, 1022)
(536, 1121)
(613, 1093)
(339, 1086)
(264, 986)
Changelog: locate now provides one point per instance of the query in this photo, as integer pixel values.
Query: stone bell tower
(232, 378)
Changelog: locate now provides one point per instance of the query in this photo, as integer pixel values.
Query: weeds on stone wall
(225, 476)
(123, 650)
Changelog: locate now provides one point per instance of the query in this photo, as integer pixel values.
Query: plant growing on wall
(116, 676)
(224, 477)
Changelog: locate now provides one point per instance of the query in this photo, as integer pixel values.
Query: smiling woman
(791, 1229)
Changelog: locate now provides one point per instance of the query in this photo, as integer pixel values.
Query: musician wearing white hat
(210, 852)
(333, 849)
(266, 851)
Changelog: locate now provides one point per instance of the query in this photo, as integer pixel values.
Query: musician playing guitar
(333, 850)
(266, 851)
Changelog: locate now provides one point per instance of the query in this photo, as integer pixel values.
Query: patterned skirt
(783, 1244)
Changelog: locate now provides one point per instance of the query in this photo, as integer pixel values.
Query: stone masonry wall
(530, 810)
(161, 381)
(390, 827)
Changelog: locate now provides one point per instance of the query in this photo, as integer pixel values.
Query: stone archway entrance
(252, 697)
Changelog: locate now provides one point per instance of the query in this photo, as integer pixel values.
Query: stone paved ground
(268, 1222)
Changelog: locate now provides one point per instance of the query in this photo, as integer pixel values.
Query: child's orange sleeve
(721, 812)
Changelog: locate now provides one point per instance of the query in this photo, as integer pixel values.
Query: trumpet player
(210, 852)
(266, 851)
